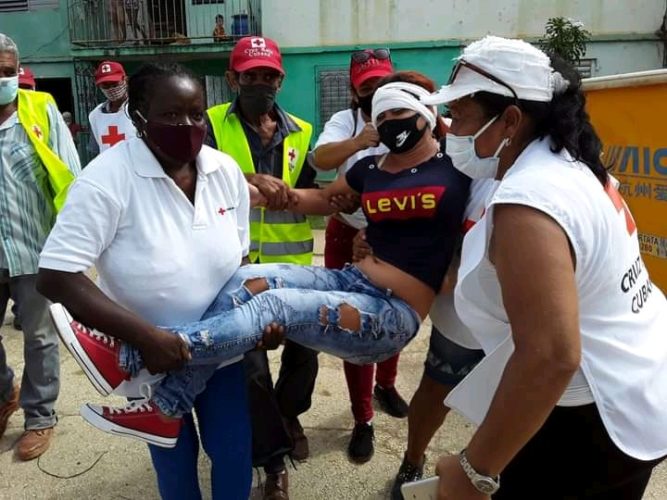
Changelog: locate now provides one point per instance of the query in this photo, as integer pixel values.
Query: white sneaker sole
(61, 320)
(101, 423)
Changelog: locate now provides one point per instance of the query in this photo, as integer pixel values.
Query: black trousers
(572, 457)
(269, 405)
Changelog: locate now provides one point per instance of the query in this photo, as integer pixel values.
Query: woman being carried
(413, 199)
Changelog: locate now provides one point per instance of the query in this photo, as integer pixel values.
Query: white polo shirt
(155, 252)
(341, 126)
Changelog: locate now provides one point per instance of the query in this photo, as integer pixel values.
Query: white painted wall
(304, 23)
(624, 57)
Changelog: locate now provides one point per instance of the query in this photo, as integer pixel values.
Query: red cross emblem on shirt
(37, 131)
(112, 136)
(222, 211)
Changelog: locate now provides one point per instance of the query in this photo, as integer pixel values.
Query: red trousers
(337, 253)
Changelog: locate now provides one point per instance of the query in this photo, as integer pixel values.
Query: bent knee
(348, 317)
(256, 285)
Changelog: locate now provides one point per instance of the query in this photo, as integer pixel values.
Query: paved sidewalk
(124, 470)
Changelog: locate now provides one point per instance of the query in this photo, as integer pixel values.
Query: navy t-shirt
(414, 216)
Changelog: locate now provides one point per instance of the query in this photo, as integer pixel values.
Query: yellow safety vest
(33, 116)
(275, 236)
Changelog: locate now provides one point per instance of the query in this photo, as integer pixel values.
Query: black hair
(142, 83)
(564, 119)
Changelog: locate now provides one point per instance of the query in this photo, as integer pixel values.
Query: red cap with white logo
(26, 78)
(109, 71)
(256, 52)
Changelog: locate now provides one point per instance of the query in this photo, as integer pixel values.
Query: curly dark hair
(143, 81)
(564, 119)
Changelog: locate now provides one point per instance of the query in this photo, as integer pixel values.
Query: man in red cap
(109, 122)
(271, 146)
(26, 79)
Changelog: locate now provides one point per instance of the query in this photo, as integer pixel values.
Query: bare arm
(162, 351)
(544, 316)
(317, 201)
(333, 154)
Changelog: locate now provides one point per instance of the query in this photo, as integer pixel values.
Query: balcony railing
(127, 23)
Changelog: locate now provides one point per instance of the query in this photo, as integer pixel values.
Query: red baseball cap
(256, 52)
(109, 71)
(26, 77)
(372, 67)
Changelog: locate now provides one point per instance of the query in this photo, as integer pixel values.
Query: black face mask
(366, 103)
(400, 135)
(257, 100)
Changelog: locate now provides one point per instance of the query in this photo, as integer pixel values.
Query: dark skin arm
(161, 350)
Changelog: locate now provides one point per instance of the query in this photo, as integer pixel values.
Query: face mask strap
(487, 125)
(503, 143)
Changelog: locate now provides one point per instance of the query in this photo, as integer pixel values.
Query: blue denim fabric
(224, 430)
(298, 298)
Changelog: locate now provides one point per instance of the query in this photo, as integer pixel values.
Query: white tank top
(622, 315)
(110, 128)
(443, 315)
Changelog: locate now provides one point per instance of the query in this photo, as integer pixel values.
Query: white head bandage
(402, 95)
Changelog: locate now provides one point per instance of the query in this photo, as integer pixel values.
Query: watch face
(486, 485)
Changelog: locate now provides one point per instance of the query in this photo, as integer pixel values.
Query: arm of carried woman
(319, 201)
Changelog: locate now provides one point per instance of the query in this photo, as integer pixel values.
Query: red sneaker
(96, 352)
(140, 419)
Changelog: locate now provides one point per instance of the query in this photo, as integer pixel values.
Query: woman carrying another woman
(165, 222)
(413, 199)
(572, 395)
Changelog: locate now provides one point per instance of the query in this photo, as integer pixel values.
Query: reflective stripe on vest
(33, 116)
(275, 236)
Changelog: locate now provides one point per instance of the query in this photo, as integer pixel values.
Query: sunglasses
(361, 56)
(462, 63)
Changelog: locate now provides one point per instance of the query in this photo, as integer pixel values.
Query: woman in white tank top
(571, 398)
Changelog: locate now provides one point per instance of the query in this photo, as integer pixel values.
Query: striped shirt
(26, 216)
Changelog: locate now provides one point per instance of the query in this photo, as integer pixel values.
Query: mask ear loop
(140, 133)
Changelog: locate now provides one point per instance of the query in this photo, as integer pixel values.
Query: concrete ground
(85, 463)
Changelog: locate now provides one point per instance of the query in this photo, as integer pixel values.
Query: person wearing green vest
(38, 161)
(271, 147)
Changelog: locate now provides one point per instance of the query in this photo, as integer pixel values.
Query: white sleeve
(243, 212)
(85, 227)
(61, 142)
(339, 127)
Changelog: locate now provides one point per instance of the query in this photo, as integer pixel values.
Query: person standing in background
(347, 137)
(271, 147)
(38, 161)
(109, 122)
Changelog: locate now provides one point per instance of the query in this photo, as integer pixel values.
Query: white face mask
(461, 150)
(116, 93)
(9, 88)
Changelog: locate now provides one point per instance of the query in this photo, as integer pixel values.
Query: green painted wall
(41, 35)
(299, 92)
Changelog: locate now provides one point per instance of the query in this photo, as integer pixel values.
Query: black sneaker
(361, 449)
(407, 473)
(391, 401)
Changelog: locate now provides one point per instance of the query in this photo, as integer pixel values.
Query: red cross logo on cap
(21, 71)
(258, 43)
(106, 68)
(37, 131)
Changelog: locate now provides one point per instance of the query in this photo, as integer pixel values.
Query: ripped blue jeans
(306, 300)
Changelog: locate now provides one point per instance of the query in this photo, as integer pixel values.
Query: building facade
(63, 40)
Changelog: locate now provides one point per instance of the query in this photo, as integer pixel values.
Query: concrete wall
(42, 36)
(301, 23)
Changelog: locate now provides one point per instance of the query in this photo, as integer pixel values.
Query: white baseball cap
(503, 66)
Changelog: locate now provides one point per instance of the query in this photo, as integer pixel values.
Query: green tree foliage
(565, 37)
